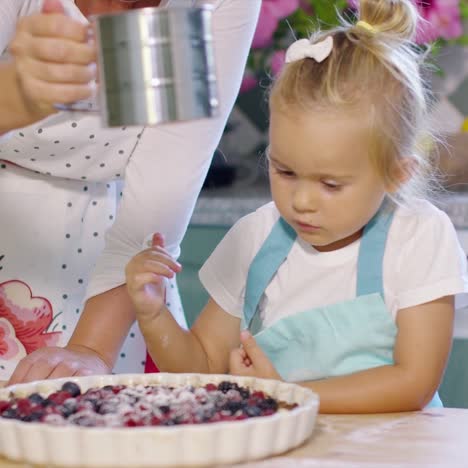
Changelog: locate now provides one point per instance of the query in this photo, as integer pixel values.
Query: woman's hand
(53, 60)
(250, 360)
(53, 362)
(145, 279)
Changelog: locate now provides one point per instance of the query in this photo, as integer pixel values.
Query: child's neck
(339, 244)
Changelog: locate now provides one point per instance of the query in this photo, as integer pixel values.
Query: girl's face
(321, 176)
(96, 7)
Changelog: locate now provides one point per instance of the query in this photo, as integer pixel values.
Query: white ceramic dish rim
(307, 401)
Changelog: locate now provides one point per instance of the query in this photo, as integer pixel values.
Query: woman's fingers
(55, 362)
(53, 25)
(63, 369)
(54, 61)
(53, 49)
(20, 372)
(41, 91)
(36, 367)
(58, 73)
(59, 50)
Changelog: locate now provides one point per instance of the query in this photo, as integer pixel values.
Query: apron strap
(279, 242)
(372, 250)
(271, 255)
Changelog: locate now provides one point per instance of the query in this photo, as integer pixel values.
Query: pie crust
(184, 445)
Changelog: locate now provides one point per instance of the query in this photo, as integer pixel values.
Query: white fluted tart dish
(146, 420)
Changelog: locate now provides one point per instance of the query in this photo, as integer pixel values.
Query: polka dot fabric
(67, 232)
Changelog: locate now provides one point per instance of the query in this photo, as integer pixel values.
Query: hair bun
(395, 18)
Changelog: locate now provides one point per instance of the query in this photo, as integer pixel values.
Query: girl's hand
(53, 60)
(250, 360)
(145, 278)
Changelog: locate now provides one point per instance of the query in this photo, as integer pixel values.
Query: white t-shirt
(423, 261)
(66, 232)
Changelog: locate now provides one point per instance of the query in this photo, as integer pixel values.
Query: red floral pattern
(24, 321)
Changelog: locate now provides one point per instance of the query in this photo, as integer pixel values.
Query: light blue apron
(336, 339)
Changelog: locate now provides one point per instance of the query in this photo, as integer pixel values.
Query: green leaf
(464, 8)
(326, 13)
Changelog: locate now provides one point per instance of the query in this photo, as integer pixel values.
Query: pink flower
(442, 20)
(272, 11)
(10, 346)
(248, 82)
(277, 61)
(24, 320)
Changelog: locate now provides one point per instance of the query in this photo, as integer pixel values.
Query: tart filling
(142, 405)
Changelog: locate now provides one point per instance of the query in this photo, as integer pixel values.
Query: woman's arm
(167, 169)
(162, 181)
(15, 111)
(421, 351)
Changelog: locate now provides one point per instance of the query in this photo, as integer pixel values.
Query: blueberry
(106, 408)
(68, 408)
(165, 409)
(108, 388)
(72, 388)
(244, 393)
(46, 402)
(84, 421)
(225, 386)
(233, 406)
(268, 403)
(33, 417)
(253, 411)
(36, 398)
(10, 413)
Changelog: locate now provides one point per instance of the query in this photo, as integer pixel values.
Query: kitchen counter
(433, 438)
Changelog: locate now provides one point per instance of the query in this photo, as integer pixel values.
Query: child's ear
(403, 170)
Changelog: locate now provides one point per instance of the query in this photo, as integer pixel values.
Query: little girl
(345, 283)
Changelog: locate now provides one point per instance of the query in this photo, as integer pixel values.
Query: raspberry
(4, 405)
(123, 406)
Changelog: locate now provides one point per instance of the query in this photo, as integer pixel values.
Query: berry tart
(153, 420)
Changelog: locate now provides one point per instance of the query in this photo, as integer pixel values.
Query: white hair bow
(302, 49)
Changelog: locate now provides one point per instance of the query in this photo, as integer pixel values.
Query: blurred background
(282, 21)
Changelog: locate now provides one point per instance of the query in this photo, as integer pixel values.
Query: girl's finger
(160, 267)
(139, 281)
(162, 257)
(158, 240)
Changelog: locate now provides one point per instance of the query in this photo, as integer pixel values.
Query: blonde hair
(376, 66)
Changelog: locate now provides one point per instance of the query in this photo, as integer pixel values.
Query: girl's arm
(421, 352)
(206, 347)
(203, 349)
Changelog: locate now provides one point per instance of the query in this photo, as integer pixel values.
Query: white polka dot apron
(54, 215)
